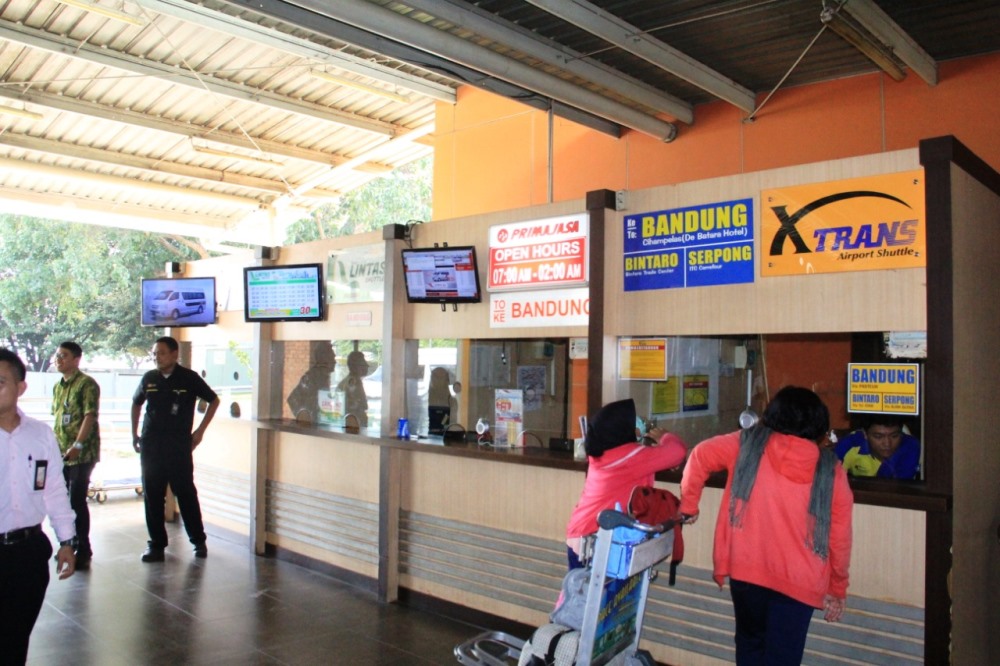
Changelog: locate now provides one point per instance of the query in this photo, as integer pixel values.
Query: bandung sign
(550, 307)
(697, 246)
(538, 254)
(861, 224)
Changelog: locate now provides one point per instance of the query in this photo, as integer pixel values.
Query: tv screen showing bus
(178, 301)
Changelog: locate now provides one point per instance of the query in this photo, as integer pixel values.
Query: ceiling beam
(873, 19)
(126, 216)
(319, 179)
(630, 38)
(148, 164)
(296, 46)
(469, 17)
(120, 183)
(176, 127)
(376, 19)
(39, 39)
(327, 26)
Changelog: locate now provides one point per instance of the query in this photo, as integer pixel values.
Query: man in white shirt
(31, 488)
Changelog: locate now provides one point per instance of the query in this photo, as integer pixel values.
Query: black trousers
(78, 482)
(24, 575)
(160, 469)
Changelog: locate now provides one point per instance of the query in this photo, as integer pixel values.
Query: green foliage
(404, 194)
(66, 281)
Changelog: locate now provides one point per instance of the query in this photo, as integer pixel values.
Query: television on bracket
(178, 301)
(283, 293)
(441, 275)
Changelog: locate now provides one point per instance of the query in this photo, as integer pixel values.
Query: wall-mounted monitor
(441, 275)
(178, 301)
(283, 293)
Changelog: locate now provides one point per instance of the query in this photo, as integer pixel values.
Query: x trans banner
(862, 224)
(696, 246)
(539, 254)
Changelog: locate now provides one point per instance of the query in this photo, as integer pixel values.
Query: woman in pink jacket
(617, 464)
(783, 533)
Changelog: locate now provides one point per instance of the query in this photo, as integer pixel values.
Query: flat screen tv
(283, 293)
(441, 275)
(178, 301)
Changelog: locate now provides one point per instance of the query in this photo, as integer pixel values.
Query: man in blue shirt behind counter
(881, 449)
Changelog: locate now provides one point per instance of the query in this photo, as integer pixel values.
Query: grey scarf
(752, 443)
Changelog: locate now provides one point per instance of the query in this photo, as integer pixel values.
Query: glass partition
(699, 387)
(228, 370)
(433, 386)
(458, 382)
(328, 382)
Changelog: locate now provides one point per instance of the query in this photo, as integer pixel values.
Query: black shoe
(153, 554)
(82, 562)
(201, 550)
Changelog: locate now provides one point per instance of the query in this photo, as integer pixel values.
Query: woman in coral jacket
(783, 533)
(618, 462)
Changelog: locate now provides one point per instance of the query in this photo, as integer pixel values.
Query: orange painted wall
(493, 154)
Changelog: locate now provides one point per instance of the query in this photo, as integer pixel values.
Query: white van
(169, 304)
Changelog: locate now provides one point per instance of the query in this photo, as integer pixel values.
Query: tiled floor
(232, 608)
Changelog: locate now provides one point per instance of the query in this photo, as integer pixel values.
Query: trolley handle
(609, 519)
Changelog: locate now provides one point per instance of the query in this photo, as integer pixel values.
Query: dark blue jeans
(771, 627)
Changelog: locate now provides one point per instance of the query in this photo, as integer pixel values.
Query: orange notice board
(861, 224)
(642, 359)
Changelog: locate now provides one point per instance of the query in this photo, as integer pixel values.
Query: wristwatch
(68, 542)
(78, 446)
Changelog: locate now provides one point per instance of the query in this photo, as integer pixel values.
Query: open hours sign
(696, 246)
(883, 388)
(537, 254)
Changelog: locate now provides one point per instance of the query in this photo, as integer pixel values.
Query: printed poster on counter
(883, 388)
(861, 224)
(539, 254)
(356, 275)
(508, 406)
(697, 246)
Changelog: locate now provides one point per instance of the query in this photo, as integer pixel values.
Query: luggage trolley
(621, 570)
(101, 486)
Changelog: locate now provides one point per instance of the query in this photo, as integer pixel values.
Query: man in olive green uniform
(75, 400)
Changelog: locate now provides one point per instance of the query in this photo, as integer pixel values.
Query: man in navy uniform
(170, 394)
(31, 488)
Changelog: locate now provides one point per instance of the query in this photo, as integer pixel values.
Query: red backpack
(654, 506)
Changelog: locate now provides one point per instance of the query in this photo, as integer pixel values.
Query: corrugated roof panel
(121, 103)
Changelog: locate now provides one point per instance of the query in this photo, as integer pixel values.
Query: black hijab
(613, 425)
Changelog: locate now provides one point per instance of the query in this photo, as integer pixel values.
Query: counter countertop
(878, 492)
(529, 455)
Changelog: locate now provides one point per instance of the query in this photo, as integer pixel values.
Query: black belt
(17, 536)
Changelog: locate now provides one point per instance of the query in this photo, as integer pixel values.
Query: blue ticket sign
(696, 246)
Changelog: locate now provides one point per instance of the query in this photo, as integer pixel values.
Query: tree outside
(69, 281)
(402, 195)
